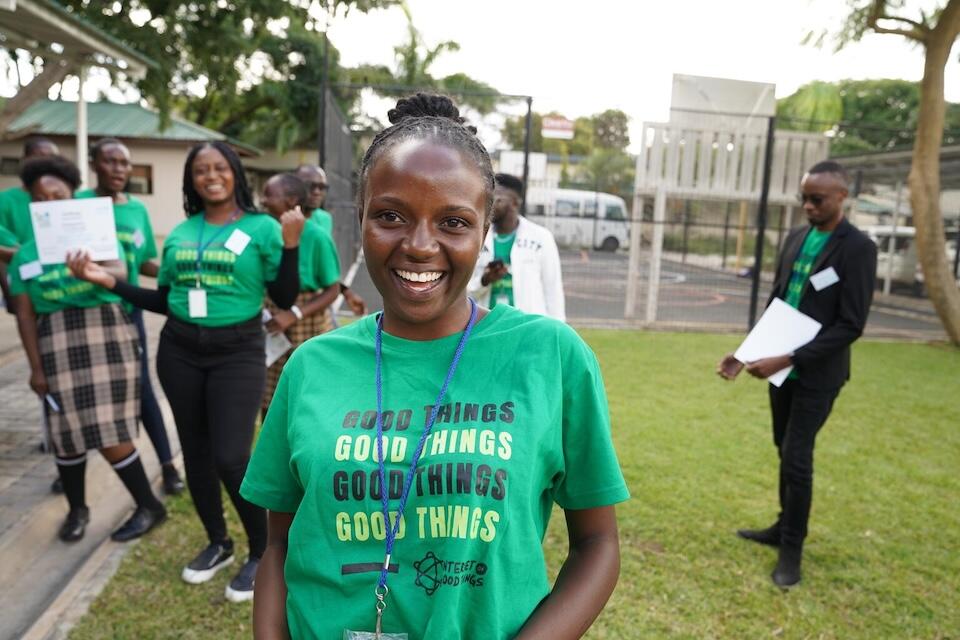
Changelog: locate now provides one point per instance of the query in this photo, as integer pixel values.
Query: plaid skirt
(300, 332)
(91, 358)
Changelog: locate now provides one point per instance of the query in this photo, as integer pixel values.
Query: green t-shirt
(7, 239)
(323, 219)
(524, 425)
(15, 213)
(51, 287)
(134, 232)
(812, 246)
(234, 283)
(319, 264)
(502, 290)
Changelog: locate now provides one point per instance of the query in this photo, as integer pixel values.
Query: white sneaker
(240, 588)
(215, 557)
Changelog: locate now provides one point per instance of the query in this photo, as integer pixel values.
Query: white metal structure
(580, 219)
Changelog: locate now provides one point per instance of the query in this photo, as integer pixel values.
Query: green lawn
(882, 557)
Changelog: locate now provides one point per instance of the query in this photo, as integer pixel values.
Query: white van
(580, 219)
(904, 266)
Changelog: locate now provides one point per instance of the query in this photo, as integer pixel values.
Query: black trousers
(798, 415)
(214, 380)
(150, 414)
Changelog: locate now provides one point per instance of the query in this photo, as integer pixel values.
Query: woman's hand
(281, 321)
(83, 268)
(38, 382)
(292, 224)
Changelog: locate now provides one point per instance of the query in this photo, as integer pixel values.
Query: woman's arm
(270, 588)
(150, 268)
(586, 579)
(283, 320)
(83, 268)
(27, 326)
(283, 291)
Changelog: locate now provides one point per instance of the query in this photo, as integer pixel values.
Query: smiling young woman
(214, 268)
(411, 460)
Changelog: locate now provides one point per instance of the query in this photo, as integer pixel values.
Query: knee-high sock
(73, 473)
(131, 472)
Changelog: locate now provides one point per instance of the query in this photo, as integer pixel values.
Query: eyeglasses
(813, 199)
(318, 186)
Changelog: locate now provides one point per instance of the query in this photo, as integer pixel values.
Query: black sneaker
(240, 588)
(75, 525)
(215, 557)
(172, 484)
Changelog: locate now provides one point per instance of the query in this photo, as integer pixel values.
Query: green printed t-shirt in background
(54, 289)
(134, 232)
(15, 213)
(525, 425)
(322, 219)
(502, 290)
(234, 283)
(812, 246)
(319, 264)
(7, 239)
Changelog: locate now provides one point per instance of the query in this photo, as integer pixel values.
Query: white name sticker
(197, 303)
(237, 241)
(824, 279)
(30, 270)
(138, 238)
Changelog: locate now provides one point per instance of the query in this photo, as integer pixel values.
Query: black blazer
(842, 308)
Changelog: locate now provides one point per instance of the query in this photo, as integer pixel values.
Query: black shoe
(787, 573)
(172, 484)
(75, 525)
(139, 523)
(240, 588)
(769, 536)
(56, 486)
(215, 557)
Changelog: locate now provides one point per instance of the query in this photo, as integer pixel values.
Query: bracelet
(295, 310)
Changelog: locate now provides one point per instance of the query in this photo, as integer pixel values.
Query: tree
(936, 33)
(227, 65)
(611, 129)
(414, 58)
(609, 171)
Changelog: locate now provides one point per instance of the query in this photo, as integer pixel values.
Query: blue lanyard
(381, 590)
(201, 247)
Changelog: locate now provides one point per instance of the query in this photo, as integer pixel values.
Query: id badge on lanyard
(381, 589)
(197, 302)
(197, 297)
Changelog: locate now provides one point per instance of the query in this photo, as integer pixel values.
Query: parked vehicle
(904, 262)
(581, 219)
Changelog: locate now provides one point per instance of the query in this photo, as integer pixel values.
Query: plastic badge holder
(370, 635)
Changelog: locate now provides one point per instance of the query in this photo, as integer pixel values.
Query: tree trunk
(924, 180)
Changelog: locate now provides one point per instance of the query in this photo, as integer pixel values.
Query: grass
(881, 559)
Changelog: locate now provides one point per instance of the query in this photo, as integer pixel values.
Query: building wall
(165, 160)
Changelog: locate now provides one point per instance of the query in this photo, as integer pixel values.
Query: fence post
(528, 128)
(892, 244)
(761, 221)
(633, 265)
(726, 233)
(656, 253)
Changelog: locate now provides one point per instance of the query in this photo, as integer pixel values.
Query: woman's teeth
(425, 276)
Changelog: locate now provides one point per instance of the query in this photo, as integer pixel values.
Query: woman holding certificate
(214, 268)
(84, 359)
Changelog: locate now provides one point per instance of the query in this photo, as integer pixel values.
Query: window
(590, 208)
(10, 166)
(567, 208)
(615, 212)
(141, 179)
(537, 210)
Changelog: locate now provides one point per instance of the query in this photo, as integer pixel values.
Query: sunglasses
(813, 199)
(318, 186)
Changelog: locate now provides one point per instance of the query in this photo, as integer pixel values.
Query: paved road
(691, 295)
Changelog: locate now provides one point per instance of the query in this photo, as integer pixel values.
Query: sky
(581, 58)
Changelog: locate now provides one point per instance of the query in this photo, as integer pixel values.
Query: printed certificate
(60, 226)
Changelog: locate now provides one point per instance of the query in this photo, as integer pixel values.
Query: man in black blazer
(827, 270)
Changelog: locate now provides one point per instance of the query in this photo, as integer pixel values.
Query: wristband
(295, 310)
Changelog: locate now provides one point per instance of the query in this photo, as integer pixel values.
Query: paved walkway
(35, 567)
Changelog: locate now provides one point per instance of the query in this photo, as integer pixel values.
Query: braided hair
(193, 203)
(435, 118)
